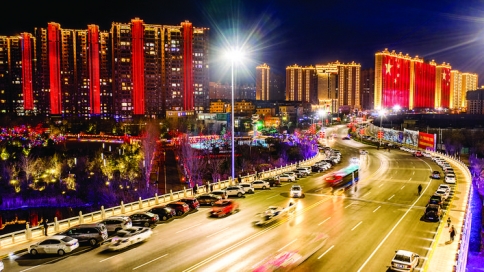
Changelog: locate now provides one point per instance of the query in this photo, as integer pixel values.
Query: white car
(442, 192)
(248, 188)
(234, 191)
(57, 244)
(449, 178)
(1, 266)
(261, 184)
(286, 177)
(296, 191)
(405, 261)
(446, 187)
(130, 236)
(292, 174)
(273, 213)
(354, 160)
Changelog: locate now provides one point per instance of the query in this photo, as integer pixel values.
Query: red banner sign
(427, 141)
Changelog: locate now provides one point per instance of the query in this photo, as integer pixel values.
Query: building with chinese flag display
(410, 83)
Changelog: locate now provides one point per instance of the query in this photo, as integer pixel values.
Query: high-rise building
(367, 83)
(410, 83)
(262, 82)
(349, 86)
(460, 84)
(300, 83)
(327, 90)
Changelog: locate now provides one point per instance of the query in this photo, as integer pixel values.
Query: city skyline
(281, 34)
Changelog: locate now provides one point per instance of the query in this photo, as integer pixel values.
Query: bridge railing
(125, 209)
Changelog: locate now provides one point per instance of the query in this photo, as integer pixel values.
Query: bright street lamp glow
(235, 55)
(396, 108)
(381, 112)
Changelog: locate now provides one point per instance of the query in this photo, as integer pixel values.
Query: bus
(344, 177)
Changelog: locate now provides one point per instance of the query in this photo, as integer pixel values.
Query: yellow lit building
(262, 82)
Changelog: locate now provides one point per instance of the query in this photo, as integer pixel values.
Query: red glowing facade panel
(138, 66)
(395, 81)
(94, 72)
(53, 48)
(188, 88)
(445, 88)
(27, 72)
(424, 85)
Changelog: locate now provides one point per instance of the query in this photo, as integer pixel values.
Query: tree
(149, 143)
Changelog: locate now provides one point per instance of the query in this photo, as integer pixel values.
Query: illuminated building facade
(367, 83)
(301, 83)
(410, 83)
(349, 86)
(461, 83)
(327, 90)
(262, 82)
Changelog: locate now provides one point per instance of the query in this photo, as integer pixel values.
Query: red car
(418, 154)
(181, 208)
(224, 207)
(191, 202)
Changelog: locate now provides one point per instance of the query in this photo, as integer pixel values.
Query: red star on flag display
(388, 67)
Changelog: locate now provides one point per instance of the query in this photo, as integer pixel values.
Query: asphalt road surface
(357, 230)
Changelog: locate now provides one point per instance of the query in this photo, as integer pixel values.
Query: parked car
(57, 244)
(286, 177)
(274, 182)
(1, 266)
(296, 191)
(94, 234)
(449, 178)
(116, 223)
(442, 192)
(164, 213)
(404, 261)
(125, 238)
(192, 203)
(208, 199)
(436, 199)
(180, 207)
(261, 184)
(433, 212)
(446, 187)
(220, 193)
(145, 219)
(418, 153)
(292, 174)
(224, 207)
(247, 187)
(304, 169)
(435, 175)
(234, 190)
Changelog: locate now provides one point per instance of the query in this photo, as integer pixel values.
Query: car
(116, 223)
(208, 199)
(418, 153)
(346, 138)
(94, 234)
(286, 177)
(261, 184)
(273, 213)
(335, 159)
(164, 213)
(130, 236)
(354, 160)
(436, 199)
(192, 203)
(435, 175)
(433, 212)
(247, 187)
(57, 244)
(404, 261)
(1, 266)
(296, 191)
(220, 193)
(317, 168)
(443, 192)
(427, 154)
(449, 178)
(449, 170)
(145, 219)
(224, 207)
(180, 207)
(234, 190)
(363, 152)
(445, 187)
(274, 182)
(304, 169)
(292, 174)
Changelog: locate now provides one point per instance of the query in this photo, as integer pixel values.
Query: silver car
(116, 223)
(57, 244)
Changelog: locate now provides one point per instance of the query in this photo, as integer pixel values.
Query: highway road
(358, 230)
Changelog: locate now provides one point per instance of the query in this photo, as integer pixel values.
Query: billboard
(427, 141)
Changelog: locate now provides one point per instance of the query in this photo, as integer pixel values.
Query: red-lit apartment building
(135, 69)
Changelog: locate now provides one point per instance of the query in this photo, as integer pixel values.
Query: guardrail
(124, 209)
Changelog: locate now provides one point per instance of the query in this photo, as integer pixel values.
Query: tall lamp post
(234, 55)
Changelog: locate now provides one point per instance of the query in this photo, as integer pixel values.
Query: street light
(235, 55)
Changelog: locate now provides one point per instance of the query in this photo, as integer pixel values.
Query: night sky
(285, 32)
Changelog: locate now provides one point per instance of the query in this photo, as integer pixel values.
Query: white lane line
(356, 226)
(287, 245)
(188, 228)
(109, 258)
(349, 205)
(402, 187)
(365, 195)
(413, 173)
(326, 252)
(380, 185)
(410, 178)
(324, 221)
(271, 196)
(391, 197)
(377, 209)
(55, 260)
(215, 233)
(149, 262)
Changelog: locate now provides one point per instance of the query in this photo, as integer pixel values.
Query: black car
(273, 182)
(208, 199)
(163, 212)
(436, 199)
(317, 168)
(433, 212)
(145, 219)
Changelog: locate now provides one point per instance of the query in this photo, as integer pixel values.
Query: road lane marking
(349, 205)
(409, 179)
(287, 245)
(189, 228)
(391, 197)
(377, 209)
(272, 196)
(149, 262)
(109, 258)
(356, 226)
(380, 185)
(402, 187)
(216, 232)
(324, 221)
(253, 236)
(326, 252)
(365, 195)
(55, 260)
